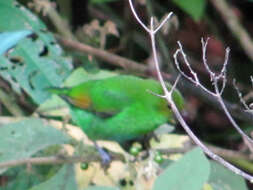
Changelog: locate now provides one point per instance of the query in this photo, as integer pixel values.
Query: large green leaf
(195, 8)
(223, 179)
(189, 173)
(20, 178)
(23, 139)
(35, 63)
(63, 180)
(10, 39)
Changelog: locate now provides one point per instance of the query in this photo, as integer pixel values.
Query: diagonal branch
(214, 78)
(168, 97)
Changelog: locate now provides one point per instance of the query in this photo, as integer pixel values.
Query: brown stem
(104, 55)
(57, 160)
(226, 153)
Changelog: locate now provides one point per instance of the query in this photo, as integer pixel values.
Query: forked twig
(168, 93)
(214, 78)
(247, 108)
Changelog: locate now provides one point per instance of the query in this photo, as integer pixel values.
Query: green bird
(132, 110)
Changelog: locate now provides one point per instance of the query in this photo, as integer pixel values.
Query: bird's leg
(106, 158)
(147, 138)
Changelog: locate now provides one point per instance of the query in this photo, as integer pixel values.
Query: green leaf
(26, 138)
(9, 39)
(195, 8)
(63, 180)
(222, 178)
(36, 62)
(20, 178)
(188, 173)
(80, 75)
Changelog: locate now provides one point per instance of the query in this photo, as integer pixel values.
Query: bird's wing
(134, 121)
(109, 100)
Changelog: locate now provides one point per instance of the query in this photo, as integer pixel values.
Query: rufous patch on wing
(83, 102)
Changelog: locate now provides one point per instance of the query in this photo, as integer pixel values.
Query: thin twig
(231, 154)
(57, 160)
(214, 78)
(106, 56)
(247, 108)
(168, 97)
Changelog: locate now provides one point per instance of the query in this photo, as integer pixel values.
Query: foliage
(172, 174)
(221, 178)
(36, 62)
(9, 39)
(195, 8)
(31, 60)
(26, 138)
(64, 179)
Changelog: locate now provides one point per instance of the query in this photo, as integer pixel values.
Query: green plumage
(133, 110)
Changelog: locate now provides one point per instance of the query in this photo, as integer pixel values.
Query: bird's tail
(58, 91)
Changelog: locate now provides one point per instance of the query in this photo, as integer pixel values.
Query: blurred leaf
(10, 39)
(20, 178)
(54, 106)
(207, 187)
(195, 8)
(185, 174)
(26, 138)
(36, 62)
(222, 178)
(80, 75)
(63, 180)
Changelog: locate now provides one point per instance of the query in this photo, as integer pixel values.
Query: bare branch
(227, 153)
(240, 96)
(214, 79)
(137, 17)
(163, 22)
(205, 149)
(168, 97)
(155, 94)
(104, 55)
(57, 160)
(204, 47)
(195, 80)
